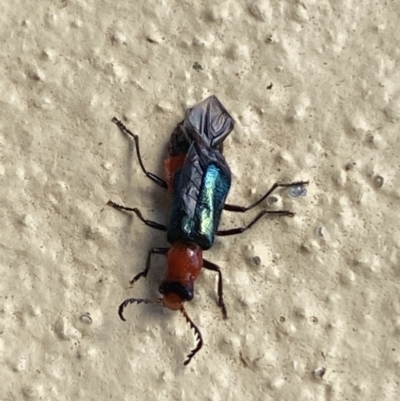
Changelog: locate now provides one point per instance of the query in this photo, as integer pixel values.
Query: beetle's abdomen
(195, 215)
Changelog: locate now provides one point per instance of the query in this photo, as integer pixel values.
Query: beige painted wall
(331, 116)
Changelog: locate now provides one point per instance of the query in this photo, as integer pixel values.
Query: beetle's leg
(155, 178)
(149, 223)
(154, 251)
(239, 230)
(242, 209)
(212, 266)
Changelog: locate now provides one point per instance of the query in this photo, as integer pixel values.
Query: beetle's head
(175, 294)
(172, 301)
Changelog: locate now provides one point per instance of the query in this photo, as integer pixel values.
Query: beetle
(198, 178)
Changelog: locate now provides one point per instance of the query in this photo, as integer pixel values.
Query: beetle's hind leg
(242, 209)
(138, 213)
(155, 178)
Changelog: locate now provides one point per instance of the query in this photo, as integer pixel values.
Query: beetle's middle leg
(149, 223)
(242, 209)
(155, 178)
(239, 230)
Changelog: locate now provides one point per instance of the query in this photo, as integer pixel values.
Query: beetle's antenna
(198, 335)
(156, 301)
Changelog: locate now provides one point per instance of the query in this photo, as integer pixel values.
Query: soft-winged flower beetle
(199, 179)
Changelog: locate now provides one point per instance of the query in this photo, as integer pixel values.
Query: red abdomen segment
(171, 165)
(184, 263)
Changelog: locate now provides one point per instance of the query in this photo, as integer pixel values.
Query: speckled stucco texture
(314, 87)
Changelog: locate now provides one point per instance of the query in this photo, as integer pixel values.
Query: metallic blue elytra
(200, 190)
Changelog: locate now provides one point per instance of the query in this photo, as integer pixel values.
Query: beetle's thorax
(184, 263)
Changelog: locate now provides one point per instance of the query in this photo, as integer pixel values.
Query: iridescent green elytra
(200, 190)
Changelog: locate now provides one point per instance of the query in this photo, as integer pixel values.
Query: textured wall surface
(314, 88)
